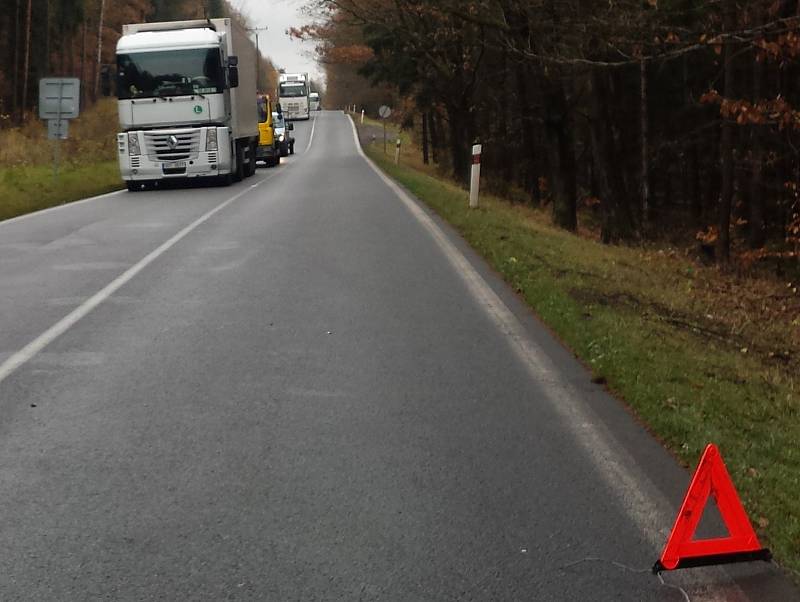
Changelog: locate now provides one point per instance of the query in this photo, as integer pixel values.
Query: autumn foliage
(665, 119)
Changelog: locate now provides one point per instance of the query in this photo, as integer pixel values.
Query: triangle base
(715, 559)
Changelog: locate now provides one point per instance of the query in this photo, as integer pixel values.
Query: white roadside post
(362, 116)
(397, 153)
(475, 179)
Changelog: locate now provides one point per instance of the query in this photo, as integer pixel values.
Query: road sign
(59, 97)
(384, 112)
(57, 130)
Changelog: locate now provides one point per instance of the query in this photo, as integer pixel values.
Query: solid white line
(636, 492)
(58, 207)
(311, 138)
(56, 330)
(632, 488)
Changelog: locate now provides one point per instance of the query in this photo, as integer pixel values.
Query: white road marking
(19, 218)
(311, 138)
(633, 490)
(56, 330)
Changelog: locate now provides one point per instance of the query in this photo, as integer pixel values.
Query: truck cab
(269, 148)
(185, 101)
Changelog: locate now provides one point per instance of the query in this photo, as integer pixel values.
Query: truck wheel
(291, 148)
(133, 185)
(251, 165)
(238, 175)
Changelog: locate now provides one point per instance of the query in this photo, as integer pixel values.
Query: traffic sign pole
(384, 113)
(57, 151)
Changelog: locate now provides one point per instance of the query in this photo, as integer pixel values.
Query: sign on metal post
(57, 130)
(59, 101)
(384, 112)
(59, 97)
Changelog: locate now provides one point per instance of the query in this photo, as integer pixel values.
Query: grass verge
(30, 188)
(651, 325)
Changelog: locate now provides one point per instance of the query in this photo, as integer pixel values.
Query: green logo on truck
(198, 109)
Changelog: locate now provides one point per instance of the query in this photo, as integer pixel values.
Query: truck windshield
(292, 90)
(170, 73)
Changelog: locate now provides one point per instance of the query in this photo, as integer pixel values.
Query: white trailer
(187, 101)
(293, 91)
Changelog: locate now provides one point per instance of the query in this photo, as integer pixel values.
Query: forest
(77, 38)
(670, 120)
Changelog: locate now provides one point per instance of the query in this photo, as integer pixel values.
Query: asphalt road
(303, 387)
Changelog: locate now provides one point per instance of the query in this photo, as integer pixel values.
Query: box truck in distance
(187, 102)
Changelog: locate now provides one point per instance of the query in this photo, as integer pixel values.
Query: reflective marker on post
(475, 179)
(362, 116)
(397, 153)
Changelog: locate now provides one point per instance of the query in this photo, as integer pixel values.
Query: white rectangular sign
(59, 97)
(57, 130)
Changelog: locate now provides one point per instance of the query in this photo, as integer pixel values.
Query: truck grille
(160, 147)
(293, 107)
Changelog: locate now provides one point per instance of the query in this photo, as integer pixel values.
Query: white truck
(313, 100)
(187, 102)
(293, 91)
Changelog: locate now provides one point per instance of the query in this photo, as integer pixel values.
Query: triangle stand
(741, 545)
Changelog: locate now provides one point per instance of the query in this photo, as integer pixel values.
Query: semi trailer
(187, 102)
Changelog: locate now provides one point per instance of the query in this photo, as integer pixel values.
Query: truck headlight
(211, 139)
(281, 138)
(133, 144)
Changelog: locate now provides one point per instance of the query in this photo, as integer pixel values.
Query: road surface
(304, 387)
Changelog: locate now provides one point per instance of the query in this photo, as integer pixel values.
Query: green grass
(88, 165)
(655, 326)
(30, 188)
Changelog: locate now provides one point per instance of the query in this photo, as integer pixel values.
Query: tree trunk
(644, 142)
(693, 184)
(83, 65)
(723, 250)
(99, 49)
(617, 219)
(561, 153)
(461, 132)
(756, 236)
(425, 118)
(436, 135)
(26, 63)
(15, 85)
(45, 60)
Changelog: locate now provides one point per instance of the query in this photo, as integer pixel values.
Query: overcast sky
(278, 16)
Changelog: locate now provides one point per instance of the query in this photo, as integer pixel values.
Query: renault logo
(172, 142)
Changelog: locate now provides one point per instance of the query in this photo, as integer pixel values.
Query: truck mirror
(233, 76)
(289, 126)
(233, 61)
(105, 81)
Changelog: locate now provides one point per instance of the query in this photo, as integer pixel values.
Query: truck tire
(291, 148)
(133, 185)
(238, 173)
(251, 163)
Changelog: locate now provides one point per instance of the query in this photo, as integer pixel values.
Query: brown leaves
(776, 111)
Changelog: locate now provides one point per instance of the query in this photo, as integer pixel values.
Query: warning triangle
(741, 544)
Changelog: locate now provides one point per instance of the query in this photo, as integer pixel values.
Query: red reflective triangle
(682, 550)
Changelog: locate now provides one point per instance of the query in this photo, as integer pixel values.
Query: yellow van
(268, 149)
